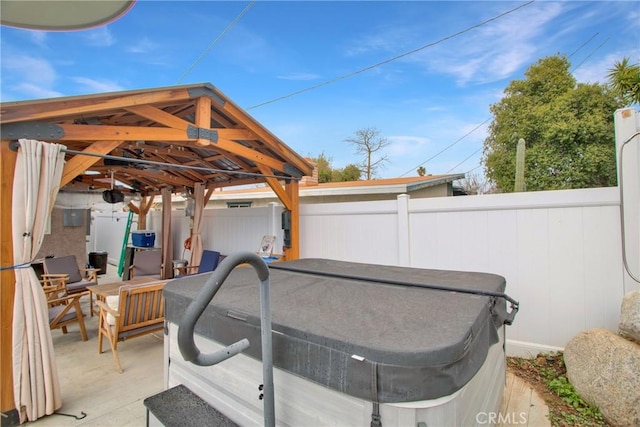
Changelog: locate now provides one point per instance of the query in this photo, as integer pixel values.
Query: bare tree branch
(368, 142)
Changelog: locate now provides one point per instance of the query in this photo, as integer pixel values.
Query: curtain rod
(14, 145)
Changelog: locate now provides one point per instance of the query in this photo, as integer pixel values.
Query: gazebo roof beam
(90, 104)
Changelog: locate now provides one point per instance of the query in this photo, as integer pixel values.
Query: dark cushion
(55, 310)
(147, 263)
(79, 286)
(63, 265)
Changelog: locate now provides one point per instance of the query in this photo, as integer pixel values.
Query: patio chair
(137, 310)
(65, 269)
(146, 263)
(64, 309)
(208, 262)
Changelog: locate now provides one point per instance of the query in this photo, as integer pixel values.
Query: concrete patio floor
(90, 383)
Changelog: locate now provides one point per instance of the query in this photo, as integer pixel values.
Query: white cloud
(391, 39)
(486, 54)
(142, 46)
(299, 76)
(30, 70)
(497, 50)
(403, 144)
(39, 38)
(97, 86)
(33, 90)
(100, 37)
(596, 72)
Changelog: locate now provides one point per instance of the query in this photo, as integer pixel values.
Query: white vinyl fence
(559, 251)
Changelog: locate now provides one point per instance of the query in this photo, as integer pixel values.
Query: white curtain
(36, 183)
(196, 232)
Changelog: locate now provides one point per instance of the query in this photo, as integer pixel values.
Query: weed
(547, 373)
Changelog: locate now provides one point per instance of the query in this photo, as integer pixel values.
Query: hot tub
(350, 340)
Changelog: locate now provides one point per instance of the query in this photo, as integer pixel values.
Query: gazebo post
(142, 211)
(291, 188)
(7, 290)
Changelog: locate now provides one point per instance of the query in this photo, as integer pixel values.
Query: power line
(471, 170)
(217, 39)
(346, 76)
(447, 147)
(589, 56)
(466, 158)
(583, 45)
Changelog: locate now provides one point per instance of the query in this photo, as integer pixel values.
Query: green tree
(350, 172)
(625, 81)
(327, 173)
(567, 126)
(368, 142)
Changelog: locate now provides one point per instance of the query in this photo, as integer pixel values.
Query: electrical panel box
(73, 217)
(286, 226)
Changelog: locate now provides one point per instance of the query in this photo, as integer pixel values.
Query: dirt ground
(536, 372)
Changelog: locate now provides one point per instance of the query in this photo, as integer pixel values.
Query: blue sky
(423, 103)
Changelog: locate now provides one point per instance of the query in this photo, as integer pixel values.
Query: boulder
(604, 368)
(629, 326)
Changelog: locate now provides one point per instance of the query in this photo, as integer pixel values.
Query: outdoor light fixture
(61, 15)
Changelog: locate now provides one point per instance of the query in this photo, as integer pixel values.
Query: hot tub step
(180, 407)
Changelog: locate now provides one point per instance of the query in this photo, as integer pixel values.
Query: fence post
(627, 126)
(404, 238)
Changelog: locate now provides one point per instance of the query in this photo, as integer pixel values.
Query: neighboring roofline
(378, 186)
(443, 179)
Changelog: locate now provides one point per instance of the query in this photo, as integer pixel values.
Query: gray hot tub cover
(375, 341)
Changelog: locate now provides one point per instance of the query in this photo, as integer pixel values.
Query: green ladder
(124, 243)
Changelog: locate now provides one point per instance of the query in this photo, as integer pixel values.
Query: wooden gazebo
(152, 140)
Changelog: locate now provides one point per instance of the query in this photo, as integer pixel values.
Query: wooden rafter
(78, 164)
(263, 134)
(277, 188)
(159, 116)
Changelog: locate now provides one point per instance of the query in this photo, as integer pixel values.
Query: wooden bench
(137, 310)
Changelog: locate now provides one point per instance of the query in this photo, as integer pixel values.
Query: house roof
(374, 186)
(143, 136)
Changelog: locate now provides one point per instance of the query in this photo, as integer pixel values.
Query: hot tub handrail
(186, 342)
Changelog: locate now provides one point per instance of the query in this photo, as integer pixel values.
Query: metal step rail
(186, 342)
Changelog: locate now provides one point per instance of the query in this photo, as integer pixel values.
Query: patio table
(103, 291)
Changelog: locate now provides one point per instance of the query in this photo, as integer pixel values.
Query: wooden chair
(208, 262)
(66, 269)
(137, 310)
(64, 309)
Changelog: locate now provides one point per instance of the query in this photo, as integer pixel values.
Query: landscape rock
(604, 368)
(629, 326)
